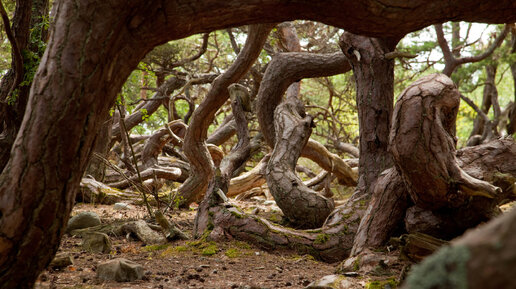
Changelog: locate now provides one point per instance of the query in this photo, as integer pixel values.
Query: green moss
(210, 249)
(356, 264)
(233, 253)
(444, 269)
(210, 226)
(180, 248)
(384, 284)
(236, 213)
(242, 245)
(321, 238)
(171, 251)
(151, 248)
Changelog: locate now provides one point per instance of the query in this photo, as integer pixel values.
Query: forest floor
(182, 264)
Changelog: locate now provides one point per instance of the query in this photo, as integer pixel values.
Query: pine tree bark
(374, 78)
(90, 54)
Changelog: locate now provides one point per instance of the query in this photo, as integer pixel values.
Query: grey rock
(96, 242)
(332, 282)
(61, 260)
(144, 233)
(122, 206)
(83, 220)
(120, 270)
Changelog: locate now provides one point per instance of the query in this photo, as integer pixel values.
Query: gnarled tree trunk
(93, 47)
(430, 191)
(301, 205)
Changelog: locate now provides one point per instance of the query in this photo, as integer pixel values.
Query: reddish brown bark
(37, 188)
(90, 54)
(422, 141)
(374, 78)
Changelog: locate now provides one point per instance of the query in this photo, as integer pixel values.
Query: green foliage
(145, 116)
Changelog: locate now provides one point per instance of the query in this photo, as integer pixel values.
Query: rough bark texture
(284, 70)
(422, 141)
(385, 213)
(218, 187)
(374, 77)
(423, 123)
(64, 111)
(493, 162)
(96, 167)
(202, 167)
(90, 54)
(301, 205)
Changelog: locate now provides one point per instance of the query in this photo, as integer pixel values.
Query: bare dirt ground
(183, 264)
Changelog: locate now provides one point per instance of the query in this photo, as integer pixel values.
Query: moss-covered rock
(444, 269)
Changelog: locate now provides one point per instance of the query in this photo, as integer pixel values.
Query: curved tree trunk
(154, 145)
(64, 111)
(202, 167)
(14, 94)
(424, 118)
(284, 70)
(301, 205)
(90, 54)
(423, 145)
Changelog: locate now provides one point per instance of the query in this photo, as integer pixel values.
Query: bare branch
(18, 59)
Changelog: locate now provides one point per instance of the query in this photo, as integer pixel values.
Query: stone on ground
(122, 206)
(83, 220)
(120, 270)
(332, 282)
(96, 242)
